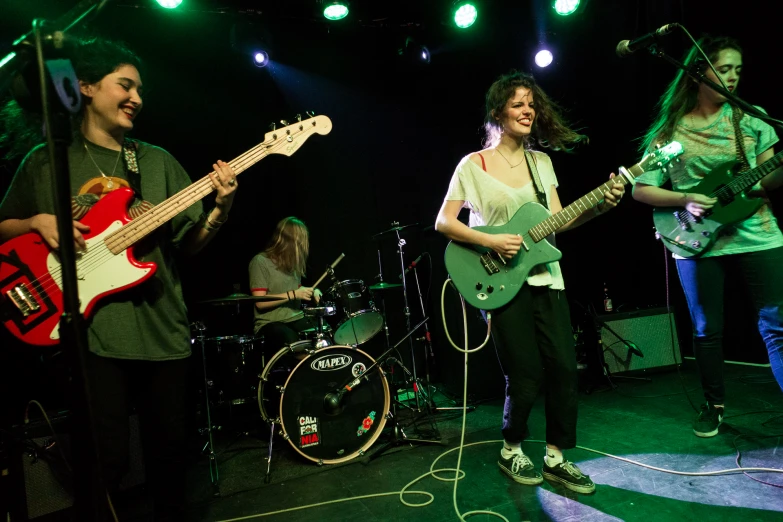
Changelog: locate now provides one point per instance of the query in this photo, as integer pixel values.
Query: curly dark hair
(682, 93)
(92, 59)
(550, 128)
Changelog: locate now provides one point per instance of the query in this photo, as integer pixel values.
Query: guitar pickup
(23, 299)
(489, 264)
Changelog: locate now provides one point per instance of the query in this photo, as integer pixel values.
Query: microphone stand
(55, 74)
(700, 77)
(600, 323)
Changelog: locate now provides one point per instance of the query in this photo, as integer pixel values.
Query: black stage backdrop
(400, 129)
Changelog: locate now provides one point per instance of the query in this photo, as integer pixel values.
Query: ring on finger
(232, 182)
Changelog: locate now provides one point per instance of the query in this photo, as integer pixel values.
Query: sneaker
(570, 476)
(707, 422)
(520, 468)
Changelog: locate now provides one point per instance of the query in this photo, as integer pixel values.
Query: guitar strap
(533, 168)
(531, 165)
(129, 148)
(739, 142)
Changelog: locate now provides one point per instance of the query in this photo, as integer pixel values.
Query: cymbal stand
(209, 447)
(379, 277)
(416, 388)
(428, 353)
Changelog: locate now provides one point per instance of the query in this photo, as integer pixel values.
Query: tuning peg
(310, 113)
(299, 117)
(284, 122)
(273, 126)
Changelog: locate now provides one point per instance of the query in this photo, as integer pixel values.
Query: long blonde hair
(289, 246)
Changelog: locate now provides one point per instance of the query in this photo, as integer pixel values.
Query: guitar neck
(582, 205)
(749, 178)
(161, 214)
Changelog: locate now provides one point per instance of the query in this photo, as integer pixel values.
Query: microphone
(333, 402)
(412, 265)
(627, 47)
(24, 50)
(634, 349)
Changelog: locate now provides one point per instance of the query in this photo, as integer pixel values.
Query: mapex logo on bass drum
(329, 363)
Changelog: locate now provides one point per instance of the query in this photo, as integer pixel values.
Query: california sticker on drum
(322, 420)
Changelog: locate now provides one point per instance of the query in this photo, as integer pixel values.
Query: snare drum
(337, 434)
(362, 320)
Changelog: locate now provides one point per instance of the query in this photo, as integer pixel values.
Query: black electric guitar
(689, 236)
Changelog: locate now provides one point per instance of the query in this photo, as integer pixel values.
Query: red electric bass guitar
(31, 300)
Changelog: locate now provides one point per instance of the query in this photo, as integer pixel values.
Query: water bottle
(607, 300)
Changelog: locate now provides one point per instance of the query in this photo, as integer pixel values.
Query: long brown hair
(550, 128)
(682, 94)
(289, 246)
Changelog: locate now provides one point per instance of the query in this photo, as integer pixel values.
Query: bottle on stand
(607, 300)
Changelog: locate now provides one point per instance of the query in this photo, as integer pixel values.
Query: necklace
(109, 181)
(509, 163)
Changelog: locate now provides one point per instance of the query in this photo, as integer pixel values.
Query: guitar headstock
(661, 157)
(287, 140)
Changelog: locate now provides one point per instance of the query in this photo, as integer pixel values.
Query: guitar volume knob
(490, 289)
(479, 286)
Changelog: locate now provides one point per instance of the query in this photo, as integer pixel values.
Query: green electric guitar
(488, 280)
(689, 236)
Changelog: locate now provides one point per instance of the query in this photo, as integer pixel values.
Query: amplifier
(46, 488)
(653, 332)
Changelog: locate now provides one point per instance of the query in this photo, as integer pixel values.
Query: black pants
(703, 282)
(535, 346)
(277, 335)
(157, 390)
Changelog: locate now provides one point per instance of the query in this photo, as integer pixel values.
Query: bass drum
(337, 435)
(275, 373)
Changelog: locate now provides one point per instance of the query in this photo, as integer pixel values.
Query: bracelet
(214, 222)
(207, 224)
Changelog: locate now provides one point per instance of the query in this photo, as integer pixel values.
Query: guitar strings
(90, 262)
(240, 164)
(733, 187)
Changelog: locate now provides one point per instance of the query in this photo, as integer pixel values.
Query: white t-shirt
(492, 203)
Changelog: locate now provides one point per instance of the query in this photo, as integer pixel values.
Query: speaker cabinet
(44, 482)
(652, 331)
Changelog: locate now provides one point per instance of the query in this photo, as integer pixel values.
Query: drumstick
(331, 267)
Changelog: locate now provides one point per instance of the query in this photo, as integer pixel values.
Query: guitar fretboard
(159, 215)
(750, 177)
(582, 205)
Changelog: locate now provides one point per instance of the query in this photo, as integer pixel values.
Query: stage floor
(644, 421)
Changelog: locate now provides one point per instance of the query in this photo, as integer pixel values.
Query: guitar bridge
(23, 299)
(489, 264)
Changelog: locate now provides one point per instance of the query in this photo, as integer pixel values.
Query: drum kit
(324, 394)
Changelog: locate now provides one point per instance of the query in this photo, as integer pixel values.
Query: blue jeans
(703, 282)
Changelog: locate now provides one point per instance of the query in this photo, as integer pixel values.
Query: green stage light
(465, 15)
(565, 7)
(169, 4)
(336, 10)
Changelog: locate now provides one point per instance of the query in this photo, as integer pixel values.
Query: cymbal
(384, 285)
(395, 229)
(241, 298)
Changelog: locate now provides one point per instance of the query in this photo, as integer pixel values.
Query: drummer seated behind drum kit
(301, 387)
